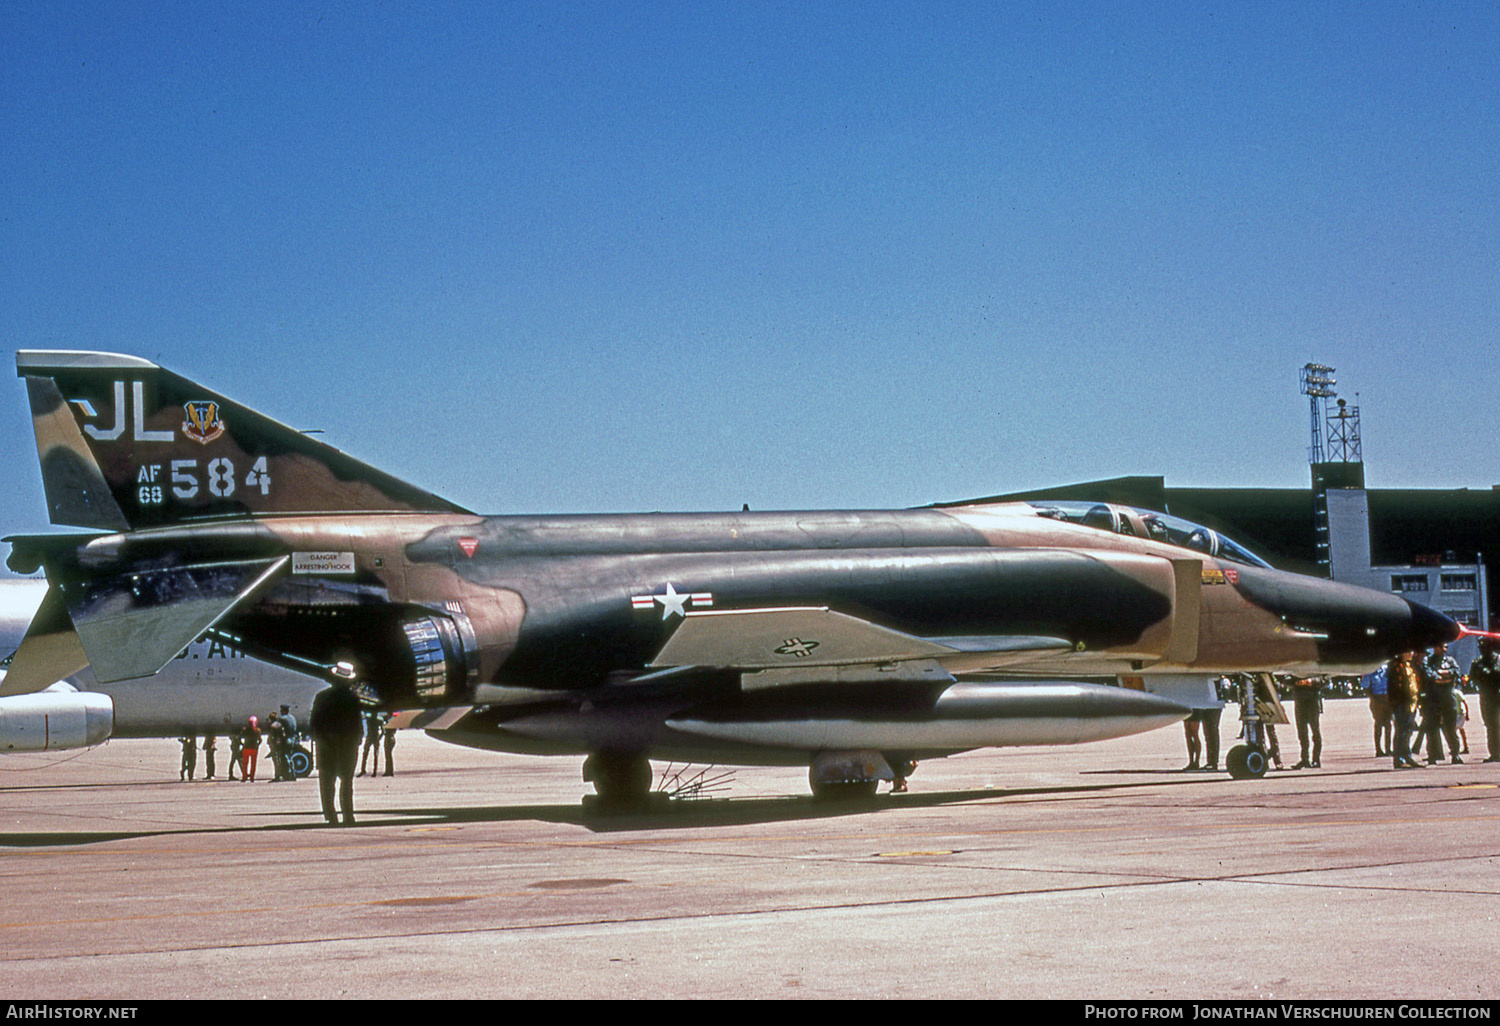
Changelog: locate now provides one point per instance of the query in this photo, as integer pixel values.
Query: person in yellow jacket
(1404, 688)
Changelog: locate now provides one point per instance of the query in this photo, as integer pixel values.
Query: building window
(1460, 582)
(1408, 582)
(1467, 617)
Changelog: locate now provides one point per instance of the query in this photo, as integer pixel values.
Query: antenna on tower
(1343, 434)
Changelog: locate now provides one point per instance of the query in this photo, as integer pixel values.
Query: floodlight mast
(1317, 385)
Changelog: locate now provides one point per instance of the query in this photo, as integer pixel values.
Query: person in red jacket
(249, 749)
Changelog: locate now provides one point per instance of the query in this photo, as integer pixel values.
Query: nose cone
(1429, 627)
(1376, 627)
(1356, 628)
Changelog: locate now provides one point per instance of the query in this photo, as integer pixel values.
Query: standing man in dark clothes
(189, 757)
(336, 732)
(1484, 673)
(234, 753)
(276, 741)
(1307, 701)
(373, 724)
(1207, 713)
(1440, 704)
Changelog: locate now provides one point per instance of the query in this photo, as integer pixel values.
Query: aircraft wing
(794, 645)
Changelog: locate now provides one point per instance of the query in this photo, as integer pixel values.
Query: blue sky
(616, 256)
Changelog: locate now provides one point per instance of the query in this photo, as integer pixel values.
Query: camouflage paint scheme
(639, 634)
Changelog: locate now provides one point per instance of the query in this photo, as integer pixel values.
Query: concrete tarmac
(1088, 872)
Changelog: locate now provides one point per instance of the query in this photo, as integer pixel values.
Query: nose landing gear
(1258, 706)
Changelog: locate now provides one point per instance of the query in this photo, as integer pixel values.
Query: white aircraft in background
(208, 689)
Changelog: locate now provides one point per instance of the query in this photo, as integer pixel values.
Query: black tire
(301, 761)
(620, 781)
(1245, 762)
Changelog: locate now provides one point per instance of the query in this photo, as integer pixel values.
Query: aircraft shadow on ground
(662, 813)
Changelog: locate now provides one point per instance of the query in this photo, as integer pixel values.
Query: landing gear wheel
(621, 781)
(1245, 762)
(301, 761)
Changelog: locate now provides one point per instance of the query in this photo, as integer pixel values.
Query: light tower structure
(1341, 465)
(1317, 385)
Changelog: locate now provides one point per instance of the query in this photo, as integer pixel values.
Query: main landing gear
(851, 776)
(622, 780)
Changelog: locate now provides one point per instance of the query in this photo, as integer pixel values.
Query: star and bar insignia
(673, 602)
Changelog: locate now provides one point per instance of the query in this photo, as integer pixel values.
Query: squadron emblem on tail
(203, 423)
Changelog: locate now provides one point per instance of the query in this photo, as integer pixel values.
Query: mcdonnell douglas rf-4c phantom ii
(851, 642)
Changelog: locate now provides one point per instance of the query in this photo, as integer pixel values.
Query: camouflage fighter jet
(844, 641)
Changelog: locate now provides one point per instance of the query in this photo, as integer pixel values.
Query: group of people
(378, 733)
(1416, 700)
(338, 724)
(280, 734)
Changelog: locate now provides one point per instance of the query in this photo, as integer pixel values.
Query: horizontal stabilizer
(134, 624)
(50, 652)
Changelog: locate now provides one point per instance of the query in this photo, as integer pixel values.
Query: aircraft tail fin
(125, 444)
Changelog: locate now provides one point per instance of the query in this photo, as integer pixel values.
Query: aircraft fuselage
(562, 602)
